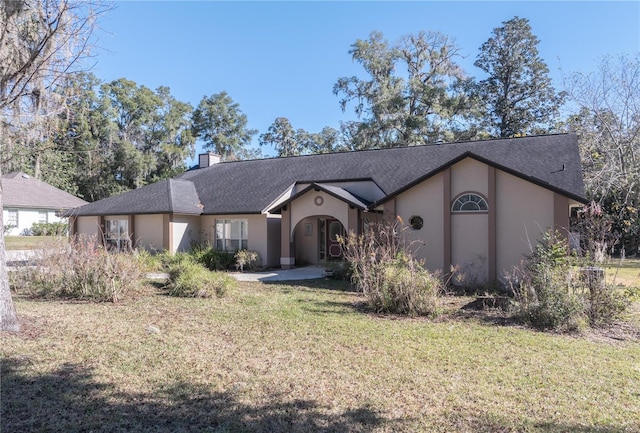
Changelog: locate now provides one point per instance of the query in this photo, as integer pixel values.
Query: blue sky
(281, 59)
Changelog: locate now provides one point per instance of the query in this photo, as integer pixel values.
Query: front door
(334, 229)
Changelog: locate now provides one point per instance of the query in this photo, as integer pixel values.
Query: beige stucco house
(478, 205)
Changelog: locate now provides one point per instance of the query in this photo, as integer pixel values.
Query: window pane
(235, 229)
(13, 217)
(245, 229)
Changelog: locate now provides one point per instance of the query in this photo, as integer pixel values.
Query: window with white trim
(43, 216)
(232, 234)
(12, 217)
(470, 202)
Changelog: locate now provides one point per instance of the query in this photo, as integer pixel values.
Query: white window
(12, 217)
(118, 234)
(232, 234)
(470, 202)
(43, 216)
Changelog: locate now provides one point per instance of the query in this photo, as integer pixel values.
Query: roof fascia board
(280, 198)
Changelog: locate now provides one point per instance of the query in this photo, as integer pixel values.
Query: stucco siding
(470, 232)
(149, 232)
(307, 205)
(524, 212)
(306, 242)
(185, 232)
(470, 247)
(88, 226)
(469, 175)
(425, 200)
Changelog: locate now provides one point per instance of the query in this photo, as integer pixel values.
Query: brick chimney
(207, 159)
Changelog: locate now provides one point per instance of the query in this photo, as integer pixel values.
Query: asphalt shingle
(23, 191)
(552, 161)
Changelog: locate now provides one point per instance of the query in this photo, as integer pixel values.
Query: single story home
(479, 205)
(27, 200)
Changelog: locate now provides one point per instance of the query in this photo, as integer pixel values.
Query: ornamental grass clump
(78, 270)
(190, 279)
(384, 269)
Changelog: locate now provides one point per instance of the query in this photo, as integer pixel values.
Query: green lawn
(25, 242)
(623, 272)
(306, 358)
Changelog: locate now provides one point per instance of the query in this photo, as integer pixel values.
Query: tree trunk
(8, 316)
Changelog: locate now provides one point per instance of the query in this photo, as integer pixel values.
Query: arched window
(469, 202)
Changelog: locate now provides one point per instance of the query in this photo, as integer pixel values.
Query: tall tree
(40, 43)
(518, 95)
(219, 121)
(608, 125)
(425, 103)
(283, 138)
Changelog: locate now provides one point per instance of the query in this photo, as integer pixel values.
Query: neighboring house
(478, 205)
(27, 200)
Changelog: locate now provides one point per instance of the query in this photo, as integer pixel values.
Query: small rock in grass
(152, 330)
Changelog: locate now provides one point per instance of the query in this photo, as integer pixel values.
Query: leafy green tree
(427, 104)
(326, 141)
(121, 136)
(518, 95)
(223, 126)
(283, 138)
(608, 125)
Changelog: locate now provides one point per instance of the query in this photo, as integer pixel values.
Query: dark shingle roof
(23, 191)
(167, 196)
(552, 161)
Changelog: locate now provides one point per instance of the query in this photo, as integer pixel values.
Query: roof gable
(334, 191)
(23, 191)
(547, 179)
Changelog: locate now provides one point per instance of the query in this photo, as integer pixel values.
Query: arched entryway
(315, 240)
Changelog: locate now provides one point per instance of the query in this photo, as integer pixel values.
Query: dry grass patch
(294, 358)
(25, 242)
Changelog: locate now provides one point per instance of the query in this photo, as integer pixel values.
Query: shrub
(247, 258)
(384, 270)
(188, 278)
(551, 291)
(213, 259)
(406, 288)
(81, 270)
(49, 229)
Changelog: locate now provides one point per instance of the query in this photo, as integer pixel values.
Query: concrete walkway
(303, 273)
